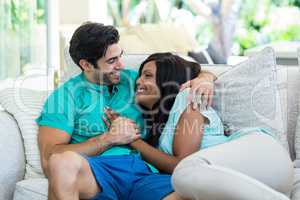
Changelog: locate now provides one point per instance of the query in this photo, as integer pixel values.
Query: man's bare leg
(51, 195)
(70, 177)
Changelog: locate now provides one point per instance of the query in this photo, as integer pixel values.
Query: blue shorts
(127, 177)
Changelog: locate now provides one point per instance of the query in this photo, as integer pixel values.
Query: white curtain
(22, 37)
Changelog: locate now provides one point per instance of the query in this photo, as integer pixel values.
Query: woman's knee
(185, 173)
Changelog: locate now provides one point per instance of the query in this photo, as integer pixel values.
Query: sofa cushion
(248, 96)
(25, 105)
(33, 189)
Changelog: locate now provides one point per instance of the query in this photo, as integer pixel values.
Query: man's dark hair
(171, 72)
(91, 40)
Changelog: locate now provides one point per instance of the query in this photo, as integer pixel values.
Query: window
(22, 37)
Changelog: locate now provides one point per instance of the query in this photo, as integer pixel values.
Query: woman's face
(147, 91)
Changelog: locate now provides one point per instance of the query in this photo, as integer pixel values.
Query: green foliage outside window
(254, 26)
(257, 30)
(20, 12)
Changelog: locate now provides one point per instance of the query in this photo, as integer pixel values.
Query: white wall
(79, 11)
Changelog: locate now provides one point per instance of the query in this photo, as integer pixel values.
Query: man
(80, 155)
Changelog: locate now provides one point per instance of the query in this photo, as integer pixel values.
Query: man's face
(109, 66)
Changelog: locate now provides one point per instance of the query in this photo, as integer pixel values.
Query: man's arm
(52, 140)
(202, 86)
(207, 75)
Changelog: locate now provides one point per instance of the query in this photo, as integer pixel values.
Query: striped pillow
(25, 105)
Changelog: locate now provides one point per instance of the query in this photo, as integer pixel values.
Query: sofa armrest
(12, 167)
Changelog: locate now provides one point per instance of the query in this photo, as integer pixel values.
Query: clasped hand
(122, 130)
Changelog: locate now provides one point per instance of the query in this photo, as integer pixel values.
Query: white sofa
(13, 160)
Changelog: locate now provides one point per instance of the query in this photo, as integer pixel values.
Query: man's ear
(85, 65)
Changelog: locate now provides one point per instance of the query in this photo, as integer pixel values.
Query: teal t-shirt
(77, 106)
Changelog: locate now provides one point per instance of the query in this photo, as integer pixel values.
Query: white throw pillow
(248, 96)
(25, 105)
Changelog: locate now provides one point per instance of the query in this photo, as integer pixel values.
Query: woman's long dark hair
(171, 72)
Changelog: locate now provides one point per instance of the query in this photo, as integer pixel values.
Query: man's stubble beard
(102, 78)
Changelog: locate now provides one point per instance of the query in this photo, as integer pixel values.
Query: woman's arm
(186, 141)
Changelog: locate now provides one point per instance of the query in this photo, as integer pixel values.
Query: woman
(174, 126)
(177, 131)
